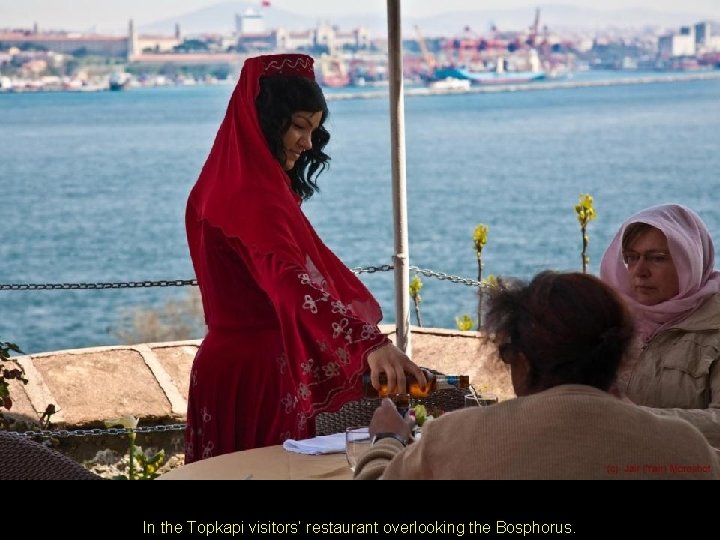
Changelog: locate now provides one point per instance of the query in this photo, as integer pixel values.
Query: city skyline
(112, 15)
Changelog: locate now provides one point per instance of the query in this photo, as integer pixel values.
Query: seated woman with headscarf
(563, 336)
(662, 262)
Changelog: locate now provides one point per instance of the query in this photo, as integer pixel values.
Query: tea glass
(482, 400)
(357, 442)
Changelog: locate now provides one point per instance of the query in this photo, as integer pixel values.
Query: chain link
(372, 269)
(193, 282)
(449, 277)
(425, 272)
(115, 285)
(62, 433)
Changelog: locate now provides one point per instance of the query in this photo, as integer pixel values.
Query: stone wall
(150, 381)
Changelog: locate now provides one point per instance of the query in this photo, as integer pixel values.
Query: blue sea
(94, 185)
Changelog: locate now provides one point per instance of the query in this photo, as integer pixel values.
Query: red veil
(243, 191)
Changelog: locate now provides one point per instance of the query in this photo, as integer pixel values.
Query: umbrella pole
(399, 187)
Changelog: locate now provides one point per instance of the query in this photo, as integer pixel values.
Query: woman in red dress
(291, 329)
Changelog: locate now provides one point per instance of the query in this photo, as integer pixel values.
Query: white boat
(450, 83)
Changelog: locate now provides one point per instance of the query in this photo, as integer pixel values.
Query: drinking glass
(482, 400)
(471, 400)
(357, 442)
(487, 399)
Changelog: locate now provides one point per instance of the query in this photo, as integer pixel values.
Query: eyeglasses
(652, 258)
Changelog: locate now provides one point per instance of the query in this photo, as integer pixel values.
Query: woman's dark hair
(571, 327)
(280, 96)
(633, 232)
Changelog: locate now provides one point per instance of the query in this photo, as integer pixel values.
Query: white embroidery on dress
(307, 367)
(289, 402)
(369, 331)
(339, 307)
(343, 355)
(310, 304)
(303, 391)
(282, 362)
(208, 450)
(328, 356)
(206, 416)
(331, 369)
(338, 328)
(302, 421)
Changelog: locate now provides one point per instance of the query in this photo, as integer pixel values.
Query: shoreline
(333, 94)
(540, 85)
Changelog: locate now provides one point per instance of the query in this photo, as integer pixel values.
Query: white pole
(399, 186)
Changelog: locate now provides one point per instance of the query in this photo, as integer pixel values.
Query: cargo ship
(489, 77)
(503, 71)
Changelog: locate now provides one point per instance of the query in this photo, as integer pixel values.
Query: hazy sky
(104, 14)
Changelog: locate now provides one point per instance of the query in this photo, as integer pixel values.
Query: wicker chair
(24, 459)
(353, 413)
(360, 412)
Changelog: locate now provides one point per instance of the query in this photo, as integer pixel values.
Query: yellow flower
(415, 286)
(480, 235)
(464, 322)
(584, 209)
(490, 281)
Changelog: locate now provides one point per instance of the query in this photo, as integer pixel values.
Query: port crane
(428, 57)
(532, 36)
(465, 48)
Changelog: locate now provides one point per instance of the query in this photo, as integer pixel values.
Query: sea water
(94, 186)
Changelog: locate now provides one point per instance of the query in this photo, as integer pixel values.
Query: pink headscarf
(693, 254)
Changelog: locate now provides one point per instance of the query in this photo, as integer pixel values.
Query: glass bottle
(435, 383)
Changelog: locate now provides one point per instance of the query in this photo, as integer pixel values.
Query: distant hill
(220, 18)
(555, 17)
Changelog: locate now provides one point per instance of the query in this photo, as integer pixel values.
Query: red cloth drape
(289, 325)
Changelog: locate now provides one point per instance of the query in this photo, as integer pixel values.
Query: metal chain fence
(101, 285)
(62, 433)
(193, 282)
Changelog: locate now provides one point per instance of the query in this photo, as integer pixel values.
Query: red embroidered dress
(289, 325)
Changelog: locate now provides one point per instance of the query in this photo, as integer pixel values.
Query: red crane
(464, 48)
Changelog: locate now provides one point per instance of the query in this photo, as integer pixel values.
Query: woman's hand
(386, 419)
(394, 363)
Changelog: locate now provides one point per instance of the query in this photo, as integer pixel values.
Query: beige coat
(567, 432)
(678, 373)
